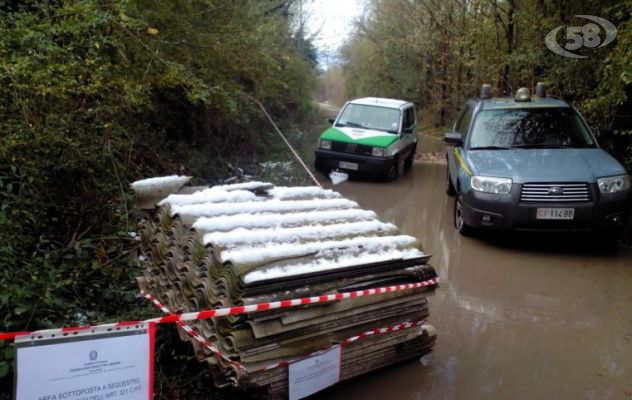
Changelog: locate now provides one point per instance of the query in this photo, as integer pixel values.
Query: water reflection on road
(518, 316)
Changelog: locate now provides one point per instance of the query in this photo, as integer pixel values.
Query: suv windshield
(370, 117)
(529, 128)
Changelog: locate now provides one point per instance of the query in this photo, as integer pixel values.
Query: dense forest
(96, 94)
(437, 53)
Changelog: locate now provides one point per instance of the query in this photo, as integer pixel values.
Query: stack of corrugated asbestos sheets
(252, 242)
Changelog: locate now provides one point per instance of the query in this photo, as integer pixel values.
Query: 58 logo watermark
(582, 36)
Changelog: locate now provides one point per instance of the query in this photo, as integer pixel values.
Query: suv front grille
(352, 148)
(555, 192)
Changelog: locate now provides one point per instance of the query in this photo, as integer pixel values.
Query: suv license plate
(349, 165)
(555, 213)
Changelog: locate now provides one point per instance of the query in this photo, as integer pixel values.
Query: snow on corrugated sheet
(252, 185)
(269, 232)
(286, 193)
(271, 206)
(226, 223)
(218, 194)
(260, 254)
(327, 264)
(212, 195)
(301, 233)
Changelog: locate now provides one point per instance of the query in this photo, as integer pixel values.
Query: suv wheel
(459, 223)
(449, 187)
(608, 240)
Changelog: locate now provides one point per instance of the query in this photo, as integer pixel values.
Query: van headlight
(614, 184)
(378, 152)
(488, 184)
(325, 144)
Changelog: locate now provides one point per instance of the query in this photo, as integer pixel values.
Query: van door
(461, 126)
(409, 131)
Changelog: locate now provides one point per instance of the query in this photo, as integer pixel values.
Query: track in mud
(518, 316)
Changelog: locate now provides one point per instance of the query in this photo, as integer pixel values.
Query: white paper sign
(93, 366)
(314, 374)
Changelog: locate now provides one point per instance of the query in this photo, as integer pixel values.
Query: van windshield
(370, 117)
(529, 128)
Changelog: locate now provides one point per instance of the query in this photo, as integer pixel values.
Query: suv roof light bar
(486, 91)
(540, 89)
(523, 94)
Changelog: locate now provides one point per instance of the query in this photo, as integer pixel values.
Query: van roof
(377, 101)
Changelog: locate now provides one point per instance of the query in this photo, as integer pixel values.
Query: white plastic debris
(162, 185)
(338, 177)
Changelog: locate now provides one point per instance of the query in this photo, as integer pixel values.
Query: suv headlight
(325, 144)
(378, 152)
(487, 184)
(614, 184)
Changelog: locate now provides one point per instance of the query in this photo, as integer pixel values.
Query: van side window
(464, 123)
(413, 120)
(409, 118)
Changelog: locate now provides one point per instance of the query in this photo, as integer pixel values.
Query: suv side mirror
(331, 120)
(453, 139)
(408, 130)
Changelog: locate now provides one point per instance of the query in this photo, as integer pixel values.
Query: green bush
(94, 95)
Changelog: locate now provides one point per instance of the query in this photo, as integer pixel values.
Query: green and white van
(370, 135)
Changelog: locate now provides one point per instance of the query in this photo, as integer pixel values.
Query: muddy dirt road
(518, 317)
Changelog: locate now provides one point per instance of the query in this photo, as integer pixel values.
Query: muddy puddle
(518, 316)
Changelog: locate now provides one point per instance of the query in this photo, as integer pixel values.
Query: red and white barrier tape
(206, 343)
(193, 333)
(67, 330)
(377, 331)
(221, 312)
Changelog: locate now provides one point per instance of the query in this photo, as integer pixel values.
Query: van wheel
(392, 171)
(408, 164)
(459, 222)
(449, 187)
(319, 166)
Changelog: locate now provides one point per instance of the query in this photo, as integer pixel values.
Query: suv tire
(607, 240)
(459, 223)
(449, 187)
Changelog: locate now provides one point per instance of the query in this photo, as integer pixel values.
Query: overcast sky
(333, 20)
